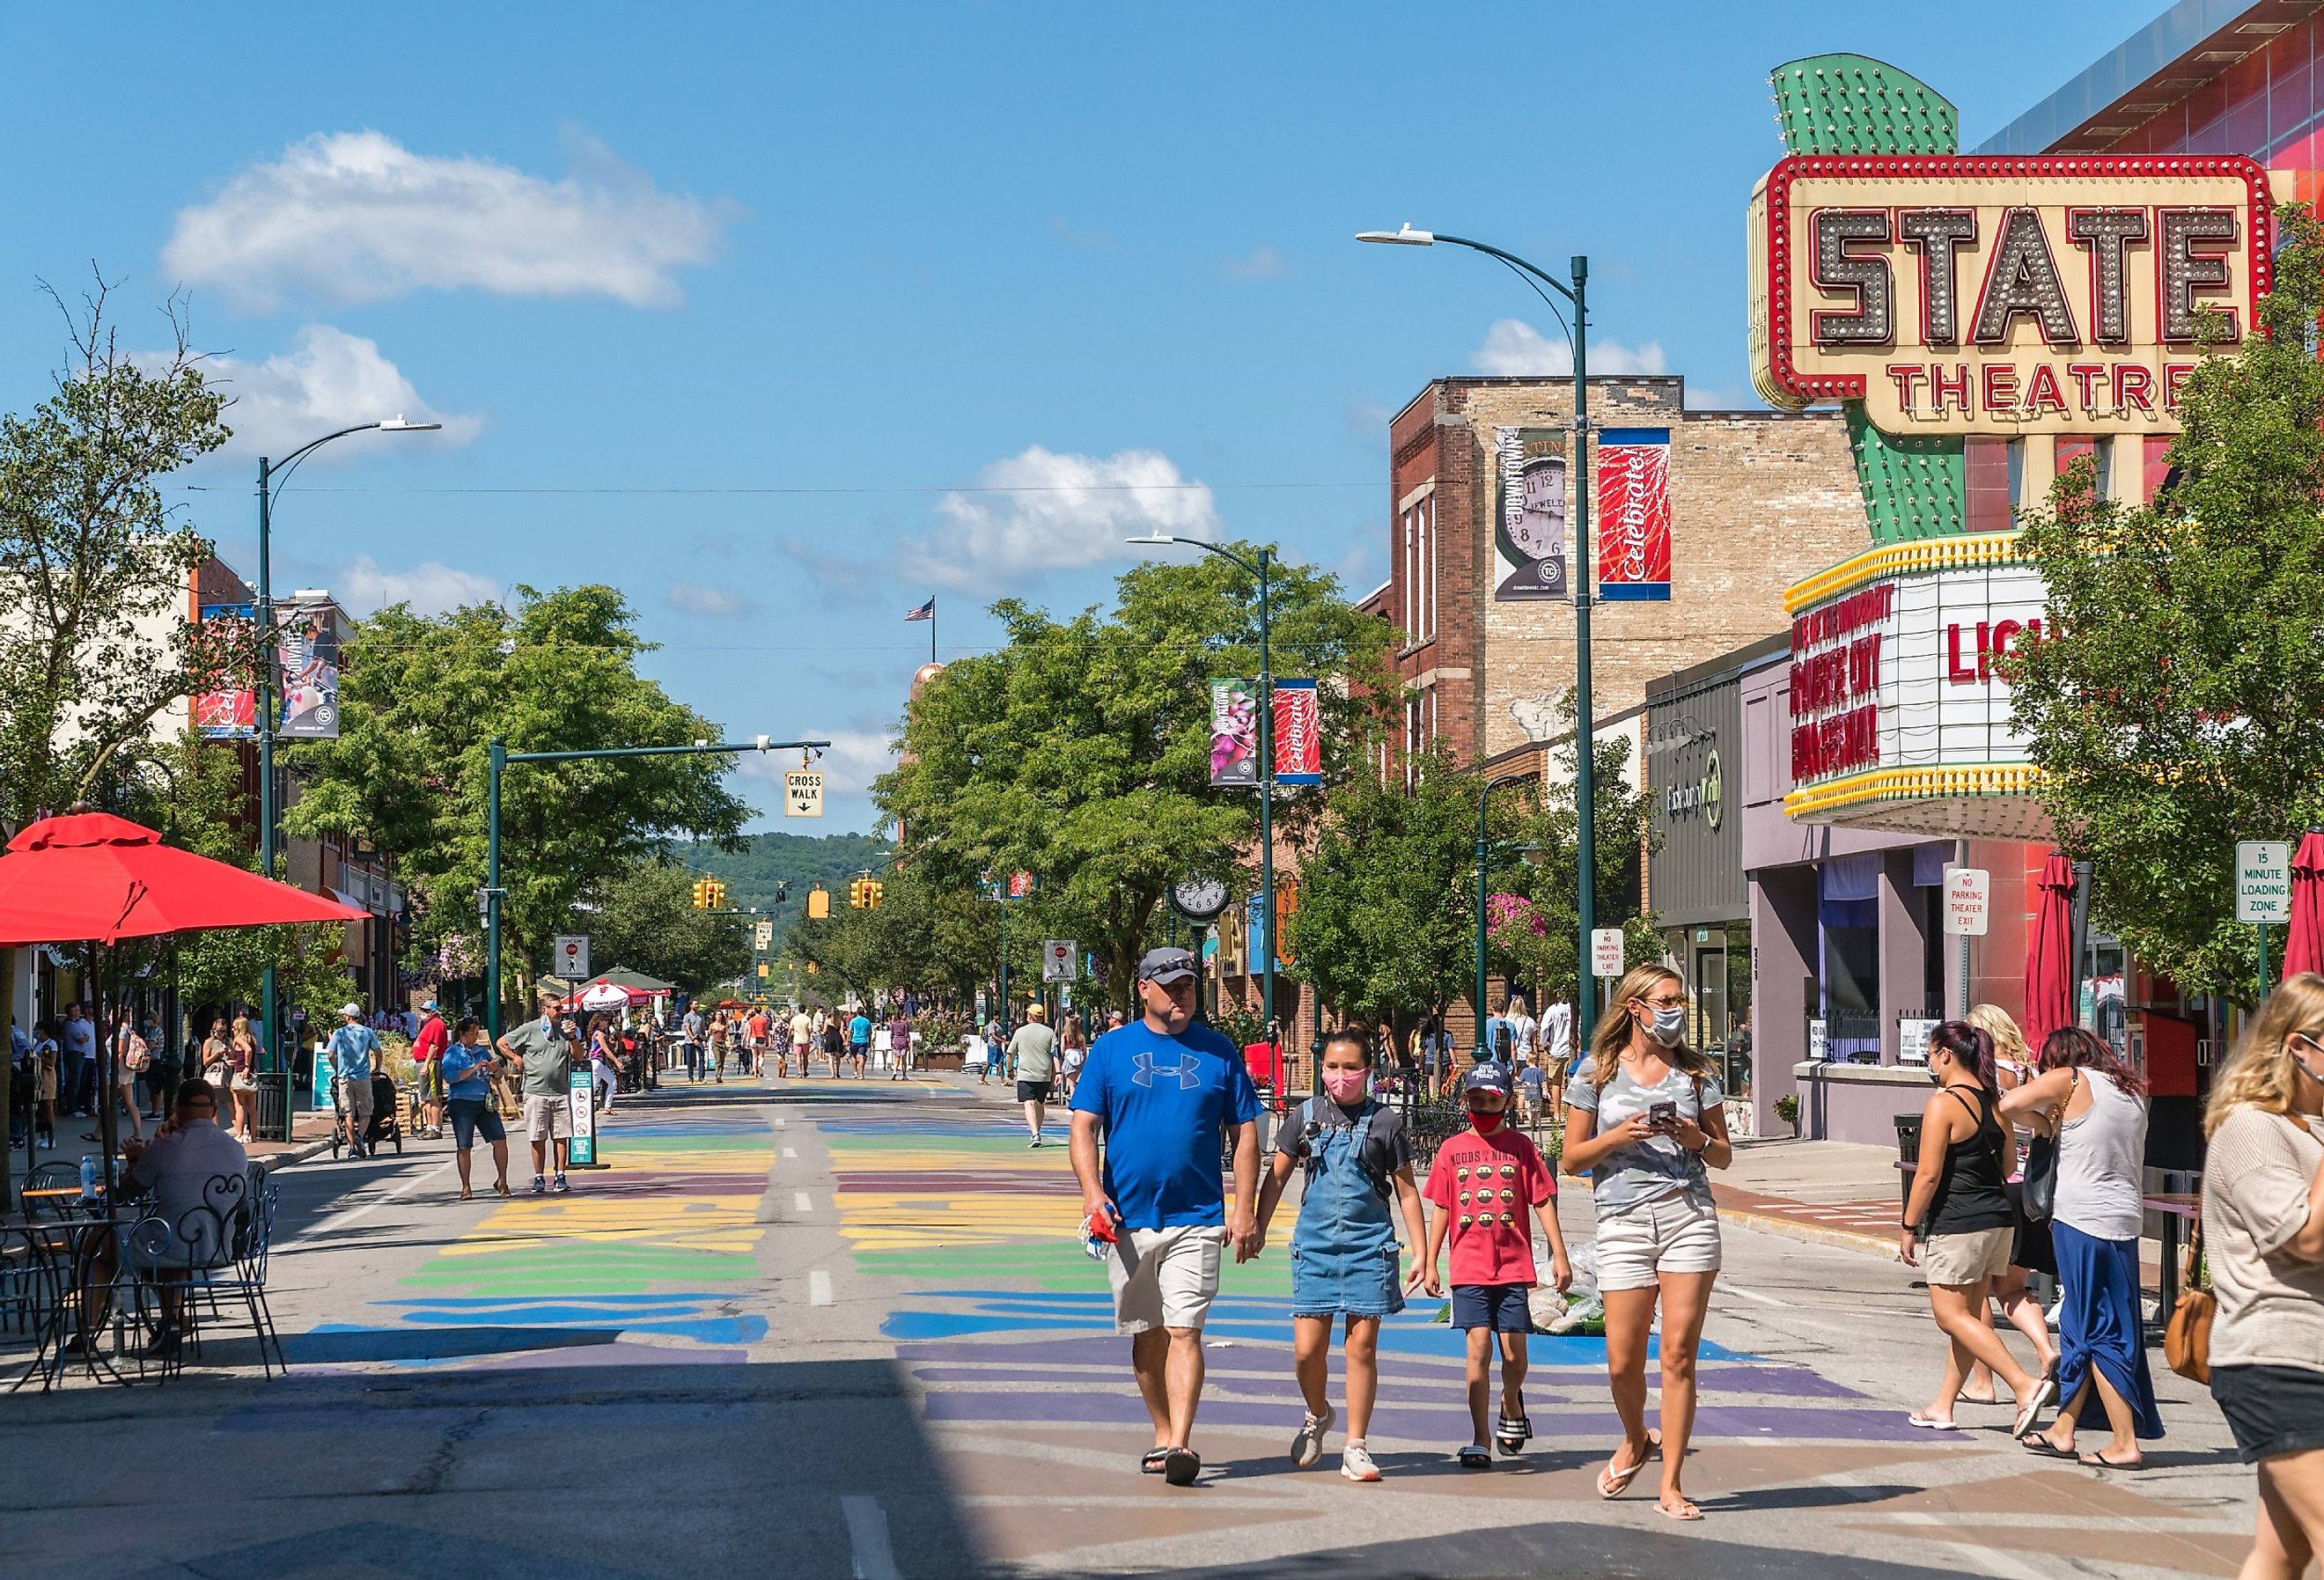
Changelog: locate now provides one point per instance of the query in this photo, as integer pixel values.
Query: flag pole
(932, 631)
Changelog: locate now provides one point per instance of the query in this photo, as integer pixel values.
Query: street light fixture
(1265, 766)
(271, 478)
(1585, 767)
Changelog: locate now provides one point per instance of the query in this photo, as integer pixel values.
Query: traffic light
(872, 891)
(701, 893)
(717, 893)
(856, 888)
(818, 903)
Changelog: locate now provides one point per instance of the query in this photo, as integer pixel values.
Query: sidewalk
(310, 1137)
(1834, 1193)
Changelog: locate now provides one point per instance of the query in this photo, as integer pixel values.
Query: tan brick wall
(1759, 501)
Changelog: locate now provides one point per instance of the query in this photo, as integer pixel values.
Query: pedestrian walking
(1645, 1121)
(605, 1064)
(755, 1041)
(1554, 1036)
(80, 1061)
(542, 1050)
(428, 1045)
(1959, 1223)
(691, 1029)
(242, 1079)
(1073, 1050)
(47, 1056)
(899, 1045)
(835, 1044)
(2030, 1250)
(130, 1056)
(355, 1056)
(859, 1040)
(2095, 1105)
(1161, 1093)
(2261, 1236)
(468, 1063)
(1354, 1154)
(1033, 1052)
(1487, 1185)
(802, 1032)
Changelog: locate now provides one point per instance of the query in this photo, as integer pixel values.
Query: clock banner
(1234, 733)
(1634, 513)
(1298, 733)
(1529, 519)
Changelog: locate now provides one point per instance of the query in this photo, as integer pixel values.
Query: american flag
(926, 611)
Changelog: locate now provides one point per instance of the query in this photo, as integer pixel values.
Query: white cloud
(1514, 348)
(1041, 510)
(356, 217)
(709, 603)
(430, 588)
(1262, 264)
(855, 758)
(331, 379)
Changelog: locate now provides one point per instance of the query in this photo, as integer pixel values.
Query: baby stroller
(386, 1121)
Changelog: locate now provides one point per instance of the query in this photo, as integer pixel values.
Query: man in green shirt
(1033, 1050)
(542, 1048)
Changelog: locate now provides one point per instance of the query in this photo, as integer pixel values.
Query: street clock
(1198, 900)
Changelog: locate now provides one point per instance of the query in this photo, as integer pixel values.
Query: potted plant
(1787, 1109)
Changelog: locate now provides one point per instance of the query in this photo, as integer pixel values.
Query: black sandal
(2041, 1447)
(1152, 1461)
(1181, 1468)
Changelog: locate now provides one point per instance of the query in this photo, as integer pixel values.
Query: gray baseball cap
(1166, 965)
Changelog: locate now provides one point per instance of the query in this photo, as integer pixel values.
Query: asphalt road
(842, 1329)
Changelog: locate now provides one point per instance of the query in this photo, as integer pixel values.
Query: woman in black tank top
(1958, 1222)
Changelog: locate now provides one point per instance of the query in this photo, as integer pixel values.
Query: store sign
(1905, 673)
(1695, 798)
(1999, 295)
(1634, 513)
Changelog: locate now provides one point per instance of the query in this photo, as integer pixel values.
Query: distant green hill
(797, 859)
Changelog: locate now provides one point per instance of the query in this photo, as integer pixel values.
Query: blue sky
(724, 304)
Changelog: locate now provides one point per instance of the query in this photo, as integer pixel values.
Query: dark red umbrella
(2050, 954)
(93, 877)
(2303, 950)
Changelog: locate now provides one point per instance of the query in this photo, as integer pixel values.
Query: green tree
(645, 920)
(776, 857)
(1538, 941)
(1079, 751)
(420, 698)
(924, 935)
(2171, 705)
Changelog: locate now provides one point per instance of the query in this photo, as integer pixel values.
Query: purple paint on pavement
(1283, 1387)
(1783, 1382)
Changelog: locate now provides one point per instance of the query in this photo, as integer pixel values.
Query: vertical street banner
(1634, 513)
(1234, 733)
(229, 710)
(308, 648)
(1298, 733)
(1019, 885)
(1529, 519)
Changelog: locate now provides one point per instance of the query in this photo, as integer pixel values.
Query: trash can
(273, 1105)
(1908, 1152)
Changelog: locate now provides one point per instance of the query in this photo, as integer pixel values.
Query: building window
(1411, 740)
(1428, 575)
(1419, 604)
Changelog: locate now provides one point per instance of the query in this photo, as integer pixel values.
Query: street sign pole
(2263, 892)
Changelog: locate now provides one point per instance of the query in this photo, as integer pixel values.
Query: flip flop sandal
(2041, 1447)
(1612, 1482)
(1182, 1466)
(1153, 1461)
(1930, 1423)
(1685, 1510)
(2045, 1391)
(467, 1196)
(1476, 1456)
(1511, 1434)
(2100, 1462)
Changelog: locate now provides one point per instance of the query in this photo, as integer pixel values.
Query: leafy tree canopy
(644, 919)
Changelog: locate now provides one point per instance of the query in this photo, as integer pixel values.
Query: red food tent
(2048, 955)
(2303, 949)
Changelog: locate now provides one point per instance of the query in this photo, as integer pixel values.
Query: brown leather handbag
(2186, 1340)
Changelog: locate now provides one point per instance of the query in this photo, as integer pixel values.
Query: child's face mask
(1346, 1087)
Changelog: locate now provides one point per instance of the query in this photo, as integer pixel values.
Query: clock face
(1538, 532)
(1199, 898)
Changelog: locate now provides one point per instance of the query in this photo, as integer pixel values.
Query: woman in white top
(2095, 1105)
(2264, 1243)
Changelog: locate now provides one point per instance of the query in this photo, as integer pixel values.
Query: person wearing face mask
(1959, 1224)
(1355, 1153)
(2262, 1239)
(1486, 1183)
(1644, 1121)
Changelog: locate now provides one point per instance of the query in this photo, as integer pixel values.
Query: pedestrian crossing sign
(803, 793)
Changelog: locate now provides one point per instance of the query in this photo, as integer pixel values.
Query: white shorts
(548, 1118)
(1668, 1235)
(1165, 1278)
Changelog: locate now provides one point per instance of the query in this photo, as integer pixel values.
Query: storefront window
(1848, 906)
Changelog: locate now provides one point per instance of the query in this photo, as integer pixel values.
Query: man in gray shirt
(1033, 1050)
(543, 1050)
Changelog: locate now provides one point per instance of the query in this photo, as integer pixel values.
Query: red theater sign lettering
(1835, 690)
(1988, 295)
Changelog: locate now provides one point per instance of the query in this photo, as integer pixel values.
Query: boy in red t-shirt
(1486, 1183)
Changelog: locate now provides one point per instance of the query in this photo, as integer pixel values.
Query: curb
(1814, 1234)
(312, 1149)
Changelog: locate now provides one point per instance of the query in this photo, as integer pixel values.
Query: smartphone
(1662, 1116)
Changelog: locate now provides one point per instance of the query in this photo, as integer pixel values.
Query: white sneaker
(1356, 1463)
(1308, 1448)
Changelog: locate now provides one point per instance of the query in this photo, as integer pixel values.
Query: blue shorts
(1499, 1307)
(470, 1114)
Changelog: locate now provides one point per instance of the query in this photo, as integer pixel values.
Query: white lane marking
(780, 1123)
(867, 1534)
(1727, 1288)
(802, 1202)
(352, 1213)
(818, 1287)
(790, 1152)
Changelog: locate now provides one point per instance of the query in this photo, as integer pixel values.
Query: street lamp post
(1585, 841)
(1266, 772)
(271, 478)
(1484, 859)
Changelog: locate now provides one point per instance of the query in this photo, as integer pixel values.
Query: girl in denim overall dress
(1355, 1153)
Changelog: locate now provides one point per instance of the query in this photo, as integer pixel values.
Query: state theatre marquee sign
(1962, 294)
(1900, 715)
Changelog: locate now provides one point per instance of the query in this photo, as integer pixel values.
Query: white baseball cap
(353, 1011)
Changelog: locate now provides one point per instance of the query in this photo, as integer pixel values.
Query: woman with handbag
(2262, 1231)
(2030, 1250)
(2092, 1106)
(130, 1057)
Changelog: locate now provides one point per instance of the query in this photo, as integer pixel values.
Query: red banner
(1298, 734)
(1634, 513)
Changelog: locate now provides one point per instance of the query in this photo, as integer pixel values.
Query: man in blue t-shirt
(1160, 1091)
(859, 1040)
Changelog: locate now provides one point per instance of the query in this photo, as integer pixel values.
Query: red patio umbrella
(2303, 950)
(2048, 955)
(93, 877)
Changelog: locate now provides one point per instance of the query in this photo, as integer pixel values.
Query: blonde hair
(2261, 1072)
(1613, 1032)
(2008, 1041)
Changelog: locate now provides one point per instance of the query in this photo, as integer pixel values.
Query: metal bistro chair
(241, 1209)
(31, 1292)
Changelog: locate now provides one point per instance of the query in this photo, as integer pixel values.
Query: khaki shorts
(354, 1096)
(548, 1118)
(1670, 1234)
(1163, 1278)
(1966, 1257)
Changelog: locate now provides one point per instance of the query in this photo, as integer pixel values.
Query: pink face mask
(1346, 1087)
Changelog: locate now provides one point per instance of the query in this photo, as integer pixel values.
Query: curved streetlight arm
(1560, 286)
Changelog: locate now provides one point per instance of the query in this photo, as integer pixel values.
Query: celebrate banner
(1634, 513)
(1298, 733)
